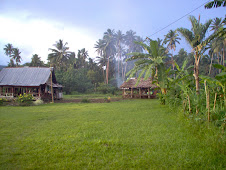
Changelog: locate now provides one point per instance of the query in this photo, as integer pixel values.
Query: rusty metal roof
(142, 84)
(25, 76)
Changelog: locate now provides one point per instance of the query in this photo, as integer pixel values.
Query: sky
(34, 26)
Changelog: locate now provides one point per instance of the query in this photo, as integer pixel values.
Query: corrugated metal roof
(24, 76)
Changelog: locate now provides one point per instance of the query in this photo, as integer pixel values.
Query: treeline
(195, 82)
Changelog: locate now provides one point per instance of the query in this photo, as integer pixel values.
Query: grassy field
(129, 134)
(91, 96)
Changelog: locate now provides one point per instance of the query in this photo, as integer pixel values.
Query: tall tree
(109, 49)
(195, 37)
(16, 56)
(8, 50)
(120, 37)
(36, 61)
(82, 56)
(130, 39)
(60, 54)
(101, 59)
(171, 39)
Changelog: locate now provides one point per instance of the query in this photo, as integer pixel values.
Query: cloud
(35, 35)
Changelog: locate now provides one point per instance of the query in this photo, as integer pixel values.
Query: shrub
(85, 101)
(38, 102)
(2, 100)
(25, 99)
(107, 99)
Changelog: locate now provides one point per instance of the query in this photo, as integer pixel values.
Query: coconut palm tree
(59, 54)
(8, 50)
(16, 56)
(119, 36)
(36, 61)
(171, 39)
(196, 39)
(82, 56)
(130, 38)
(215, 4)
(101, 59)
(109, 48)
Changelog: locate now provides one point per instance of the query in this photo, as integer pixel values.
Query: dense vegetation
(129, 134)
(194, 81)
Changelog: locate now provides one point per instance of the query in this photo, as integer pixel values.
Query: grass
(129, 134)
(90, 96)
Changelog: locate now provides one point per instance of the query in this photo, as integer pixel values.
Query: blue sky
(34, 25)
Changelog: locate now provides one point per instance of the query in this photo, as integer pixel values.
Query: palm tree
(218, 43)
(36, 61)
(130, 38)
(102, 59)
(109, 48)
(150, 63)
(215, 4)
(119, 36)
(172, 38)
(60, 54)
(8, 49)
(16, 56)
(196, 38)
(82, 56)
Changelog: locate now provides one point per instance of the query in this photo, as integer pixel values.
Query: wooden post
(39, 91)
(140, 92)
(131, 92)
(149, 93)
(124, 93)
(51, 70)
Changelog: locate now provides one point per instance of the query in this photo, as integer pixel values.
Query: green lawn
(129, 134)
(90, 96)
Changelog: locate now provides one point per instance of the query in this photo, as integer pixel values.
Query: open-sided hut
(144, 89)
(31, 80)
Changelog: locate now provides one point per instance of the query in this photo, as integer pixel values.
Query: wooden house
(144, 89)
(30, 80)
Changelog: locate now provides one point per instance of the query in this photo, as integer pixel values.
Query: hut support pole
(140, 92)
(149, 93)
(131, 92)
(124, 92)
(39, 91)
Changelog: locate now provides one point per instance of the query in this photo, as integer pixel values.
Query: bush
(38, 102)
(2, 101)
(85, 101)
(25, 99)
(106, 88)
(107, 99)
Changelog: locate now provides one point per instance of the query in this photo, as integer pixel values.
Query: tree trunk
(211, 63)
(196, 73)
(107, 70)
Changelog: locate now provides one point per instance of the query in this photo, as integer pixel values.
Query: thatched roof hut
(144, 89)
(142, 84)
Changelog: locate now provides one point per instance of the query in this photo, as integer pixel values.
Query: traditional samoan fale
(31, 80)
(144, 89)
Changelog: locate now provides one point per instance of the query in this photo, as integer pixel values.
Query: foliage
(2, 100)
(106, 88)
(85, 101)
(215, 4)
(25, 99)
(38, 102)
(107, 99)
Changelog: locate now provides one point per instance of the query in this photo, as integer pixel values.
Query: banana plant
(219, 80)
(147, 63)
